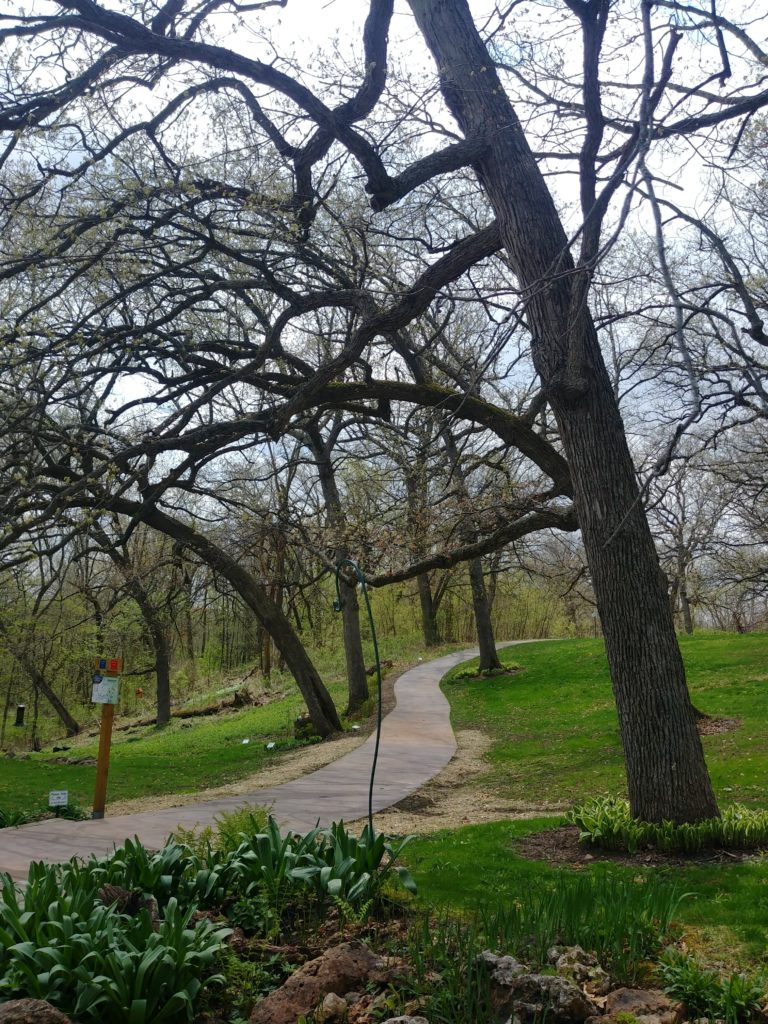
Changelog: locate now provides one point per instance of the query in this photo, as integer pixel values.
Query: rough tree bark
(666, 773)
(489, 659)
(428, 612)
(357, 680)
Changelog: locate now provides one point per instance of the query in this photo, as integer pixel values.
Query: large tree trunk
(320, 706)
(489, 660)
(428, 611)
(666, 773)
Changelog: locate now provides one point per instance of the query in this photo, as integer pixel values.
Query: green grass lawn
(151, 761)
(555, 737)
(183, 757)
(555, 731)
(724, 912)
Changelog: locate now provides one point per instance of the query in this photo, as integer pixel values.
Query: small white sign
(58, 798)
(106, 689)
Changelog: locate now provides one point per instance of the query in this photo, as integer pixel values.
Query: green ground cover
(555, 737)
(554, 726)
(724, 912)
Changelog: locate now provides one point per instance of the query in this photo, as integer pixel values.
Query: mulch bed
(561, 846)
(715, 726)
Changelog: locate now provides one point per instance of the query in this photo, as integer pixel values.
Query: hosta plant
(607, 822)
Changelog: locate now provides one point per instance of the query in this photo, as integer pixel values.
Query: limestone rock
(532, 996)
(649, 1006)
(31, 1011)
(503, 969)
(333, 1008)
(339, 970)
(574, 962)
(406, 1020)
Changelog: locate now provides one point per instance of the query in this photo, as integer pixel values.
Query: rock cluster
(341, 970)
(579, 992)
(337, 987)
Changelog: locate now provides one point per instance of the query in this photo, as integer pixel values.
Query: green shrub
(234, 826)
(164, 875)
(227, 833)
(12, 819)
(245, 983)
(284, 878)
(735, 998)
(607, 822)
(328, 862)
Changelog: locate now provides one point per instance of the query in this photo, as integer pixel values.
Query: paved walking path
(417, 742)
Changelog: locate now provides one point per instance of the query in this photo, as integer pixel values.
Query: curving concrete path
(417, 742)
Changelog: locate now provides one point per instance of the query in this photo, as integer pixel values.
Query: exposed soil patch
(715, 726)
(561, 846)
(71, 760)
(483, 677)
(454, 797)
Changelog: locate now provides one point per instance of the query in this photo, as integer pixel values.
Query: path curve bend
(417, 742)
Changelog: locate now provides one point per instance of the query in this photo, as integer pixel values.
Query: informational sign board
(58, 798)
(106, 689)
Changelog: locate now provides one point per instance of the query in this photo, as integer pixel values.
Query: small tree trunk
(41, 684)
(158, 635)
(428, 616)
(489, 659)
(353, 649)
(6, 710)
(685, 608)
(357, 680)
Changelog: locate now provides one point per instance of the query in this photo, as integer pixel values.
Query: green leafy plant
(352, 868)
(60, 943)
(622, 921)
(606, 822)
(245, 981)
(11, 819)
(234, 826)
(74, 812)
(349, 914)
(163, 874)
(255, 915)
(199, 841)
(735, 998)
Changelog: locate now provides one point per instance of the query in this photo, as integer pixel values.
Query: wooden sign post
(106, 690)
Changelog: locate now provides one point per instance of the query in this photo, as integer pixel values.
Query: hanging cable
(338, 604)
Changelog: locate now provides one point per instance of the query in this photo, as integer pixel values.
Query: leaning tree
(518, 116)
